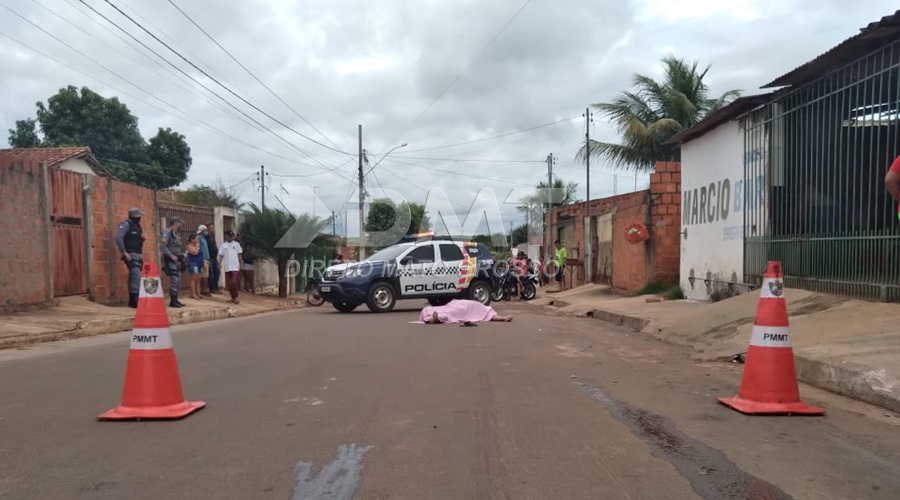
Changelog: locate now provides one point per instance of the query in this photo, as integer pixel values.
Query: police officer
(130, 240)
(173, 255)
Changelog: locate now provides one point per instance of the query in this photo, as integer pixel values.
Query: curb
(107, 326)
(847, 379)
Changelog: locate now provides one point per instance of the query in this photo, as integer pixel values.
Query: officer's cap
(175, 219)
(134, 212)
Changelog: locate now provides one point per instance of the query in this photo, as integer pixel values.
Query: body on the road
(130, 241)
(460, 311)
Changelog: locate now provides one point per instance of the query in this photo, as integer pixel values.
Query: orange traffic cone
(152, 384)
(769, 384)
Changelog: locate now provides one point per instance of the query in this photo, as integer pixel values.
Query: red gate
(67, 218)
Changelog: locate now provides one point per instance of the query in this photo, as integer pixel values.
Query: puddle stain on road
(336, 481)
(711, 474)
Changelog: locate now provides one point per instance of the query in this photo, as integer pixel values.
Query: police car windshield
(389, 253)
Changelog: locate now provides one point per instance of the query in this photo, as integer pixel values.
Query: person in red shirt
(892, 182)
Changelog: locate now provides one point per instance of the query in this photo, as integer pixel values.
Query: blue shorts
(195, 269)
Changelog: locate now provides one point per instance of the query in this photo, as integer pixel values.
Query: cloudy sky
(421, 72)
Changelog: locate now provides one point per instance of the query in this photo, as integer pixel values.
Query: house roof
(53, 157)
(871, 37)
(733, 110)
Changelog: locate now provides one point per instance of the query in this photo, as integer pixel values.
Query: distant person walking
(230, 262)
(248, 269)
(173, 255)
(214, 269)
(561, 255)
(204, 271)
(130, 240)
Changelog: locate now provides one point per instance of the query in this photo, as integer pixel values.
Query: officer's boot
(133, 300)
(173, 301)
(178, 301)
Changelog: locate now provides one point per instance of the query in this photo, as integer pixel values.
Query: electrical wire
(508, 134)
(235, 59)
(473, 160)
(451, 172)
(198, 82)
(225, 87)
(469, 66)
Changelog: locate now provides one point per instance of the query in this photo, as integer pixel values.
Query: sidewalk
(850, 347)
(76, 317)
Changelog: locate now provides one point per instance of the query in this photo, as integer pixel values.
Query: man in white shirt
(230, 262)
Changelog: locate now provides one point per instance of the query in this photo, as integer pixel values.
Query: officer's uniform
(130, 240)
(170, 245)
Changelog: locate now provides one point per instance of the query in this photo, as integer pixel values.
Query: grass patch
(653, 289)
(675, 293)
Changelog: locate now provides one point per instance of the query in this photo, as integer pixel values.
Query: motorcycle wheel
(313, 297)
(497, 295)
(529, 291)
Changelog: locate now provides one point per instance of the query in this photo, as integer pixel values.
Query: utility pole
(262, 185)
(548, 220)
(588, 118)
(333, 224)
(362, 202)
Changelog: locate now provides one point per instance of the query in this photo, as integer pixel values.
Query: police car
(438, 271)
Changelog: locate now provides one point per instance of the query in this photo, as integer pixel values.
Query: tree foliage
(204, 195)
(82, 117)
(264, 229)
(651, 114)
(534, 208)
(392, 221)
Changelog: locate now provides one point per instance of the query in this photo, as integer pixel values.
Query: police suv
(438, 271)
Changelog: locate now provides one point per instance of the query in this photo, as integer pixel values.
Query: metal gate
(67, 219)
(193, 217)
(604, 232)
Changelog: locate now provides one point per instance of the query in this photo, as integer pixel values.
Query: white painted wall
(77, 165)
(712, 180)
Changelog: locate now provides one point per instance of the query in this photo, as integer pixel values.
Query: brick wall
(633, 265)
(665, 212)
(23, 254)
(110, 276)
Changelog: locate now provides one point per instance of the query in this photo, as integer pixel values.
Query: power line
(198, 82)
(477, 56)
(471, 160)
(228, 89)
(451, 172)
(516, 132)
(235, 59)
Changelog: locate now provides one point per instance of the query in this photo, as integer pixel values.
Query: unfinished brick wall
(665, 212)
(631, 266)
(24, 253)
(111, 200)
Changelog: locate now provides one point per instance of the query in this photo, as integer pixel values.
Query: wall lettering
(716, 201)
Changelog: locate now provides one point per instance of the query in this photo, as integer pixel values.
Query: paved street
(315, 404)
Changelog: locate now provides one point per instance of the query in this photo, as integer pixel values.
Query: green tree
(82, 117)
(648, 116)
(384, 214)
(265, 231)
(210, 196)
(520, 234)
(534, 208)
(25, 134)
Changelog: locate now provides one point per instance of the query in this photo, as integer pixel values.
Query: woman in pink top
(892, 182)
(460, 311)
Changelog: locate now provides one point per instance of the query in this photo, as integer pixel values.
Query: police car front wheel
(480, 292)
(381, 298)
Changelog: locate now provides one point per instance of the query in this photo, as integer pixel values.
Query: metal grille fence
(814, 167)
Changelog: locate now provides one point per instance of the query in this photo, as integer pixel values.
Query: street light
(385, 156)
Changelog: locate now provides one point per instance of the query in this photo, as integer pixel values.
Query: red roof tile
(53, 157)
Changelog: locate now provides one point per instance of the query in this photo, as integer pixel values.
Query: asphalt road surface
(319, 405)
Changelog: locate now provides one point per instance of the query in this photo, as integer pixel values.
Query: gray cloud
(379, 64)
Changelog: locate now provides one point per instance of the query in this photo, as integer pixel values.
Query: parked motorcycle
(508, 287)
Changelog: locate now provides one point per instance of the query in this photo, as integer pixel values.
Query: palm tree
(280, 236)
(654, 112)
(534, 207)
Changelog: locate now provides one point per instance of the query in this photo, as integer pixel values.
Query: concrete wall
(24, 254)
(712, 213)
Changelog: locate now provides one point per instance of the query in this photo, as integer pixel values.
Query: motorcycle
(508, 285)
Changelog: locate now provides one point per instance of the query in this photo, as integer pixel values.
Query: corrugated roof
(733, 110)
(874, 35)
(53, 157)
